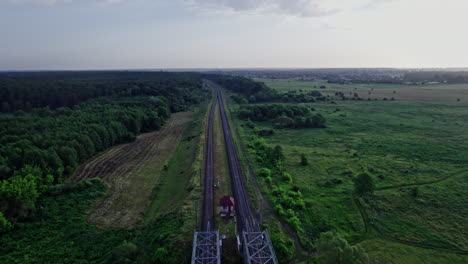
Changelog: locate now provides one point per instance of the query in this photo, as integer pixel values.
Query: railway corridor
(254, 244)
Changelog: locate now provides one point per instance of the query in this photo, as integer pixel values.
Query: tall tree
(364, 185)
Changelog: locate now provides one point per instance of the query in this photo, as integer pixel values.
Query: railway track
(254, 244)
(206, 244)
(208, 194)
(246, 220)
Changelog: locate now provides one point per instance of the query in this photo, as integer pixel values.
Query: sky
(162, 34)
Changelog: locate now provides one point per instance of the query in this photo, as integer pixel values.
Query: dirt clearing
(131, 171)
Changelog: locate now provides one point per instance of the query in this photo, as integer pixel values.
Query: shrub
(265, 172)
(287, 177)
(284, 248)
(295, 223)
(287, 201)
(266, 132)
(160, 255)
(284, 115)
(124, 253)
(304, 161)
(299, 204)
(279, 209)
(296, 194)
(5, 225)
(250, 124)
(278, 191)
(334, 249)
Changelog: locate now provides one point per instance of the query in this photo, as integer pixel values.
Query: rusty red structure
(226, 207)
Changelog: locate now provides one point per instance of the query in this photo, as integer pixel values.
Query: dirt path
(132, 170)
(452, 175)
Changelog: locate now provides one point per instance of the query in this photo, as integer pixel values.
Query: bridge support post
(258, 248)
(206, 248)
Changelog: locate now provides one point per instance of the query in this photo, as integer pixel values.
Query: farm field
(179, 186)
(132, 170)
(429, 92)
(415, 150)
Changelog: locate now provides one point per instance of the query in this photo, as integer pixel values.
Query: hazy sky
(124, 34)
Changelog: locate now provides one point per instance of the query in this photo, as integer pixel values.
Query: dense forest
(245, 90)
(22, 91)
(283, 115)
(58, 124)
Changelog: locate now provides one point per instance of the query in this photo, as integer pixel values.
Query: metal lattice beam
(258, 248)
(206, 248)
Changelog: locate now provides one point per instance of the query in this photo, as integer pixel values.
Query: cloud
(48, 2)
(303, 8)
(377, 3)
(52, 2)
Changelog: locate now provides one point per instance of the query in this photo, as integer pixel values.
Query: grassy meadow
(430, 92)
(415, 148)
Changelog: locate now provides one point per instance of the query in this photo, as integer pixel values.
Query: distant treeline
(355, 76)
(25, 91)
(437, 76)
(283, 115)
(42, 146)
(246, 90)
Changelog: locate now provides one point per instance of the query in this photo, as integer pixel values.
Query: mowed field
(416, 150)
(132, 171)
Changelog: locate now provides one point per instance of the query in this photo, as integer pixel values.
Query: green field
(415, 150)
(444, 93)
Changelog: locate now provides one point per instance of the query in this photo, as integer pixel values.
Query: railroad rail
(256, 244)
(208, 193)
(206, 244)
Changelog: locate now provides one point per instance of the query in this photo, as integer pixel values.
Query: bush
(5, 225)
(124, 253)
(265, 172)
(287, 201)
(287, 177)
(284, 247)
(283, 115)
(304, 161)
(266, 132)
(279, 209)
(334, 249)
(299, 204)
(295, 223)
(160, 255)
